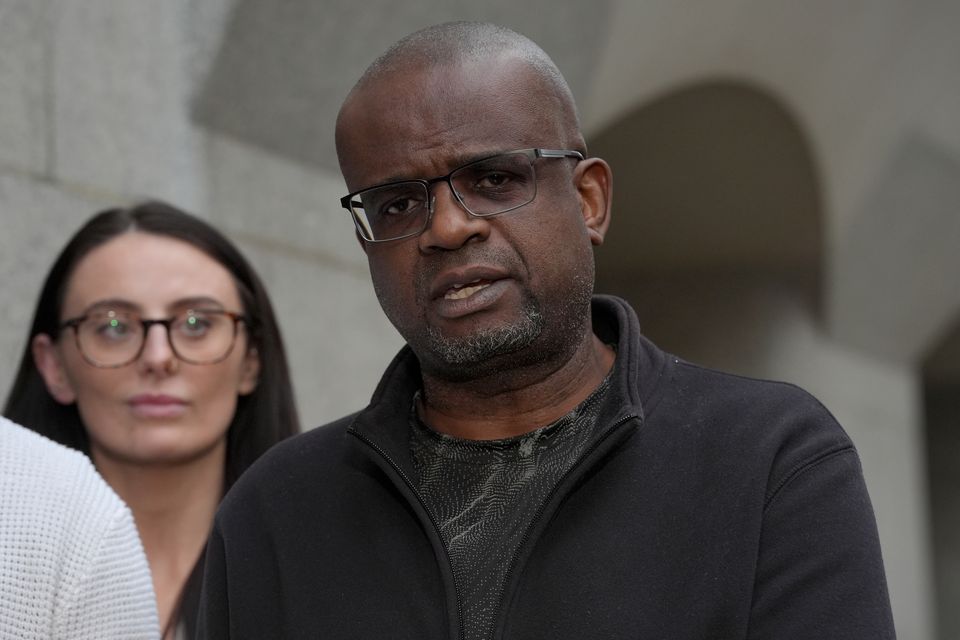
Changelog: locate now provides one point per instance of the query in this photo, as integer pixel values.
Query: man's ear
(50, 365)
(250, 373)
(594, 182)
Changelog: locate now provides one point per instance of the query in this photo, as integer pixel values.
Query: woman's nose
(157, 354)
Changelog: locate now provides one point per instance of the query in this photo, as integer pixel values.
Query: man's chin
(481, 352)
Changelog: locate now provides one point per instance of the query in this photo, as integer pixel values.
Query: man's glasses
(485, 187)
(115, 338)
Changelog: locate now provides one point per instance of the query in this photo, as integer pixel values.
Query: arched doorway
(717, 223)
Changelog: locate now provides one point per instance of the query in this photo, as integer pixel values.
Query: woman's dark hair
(262, 418)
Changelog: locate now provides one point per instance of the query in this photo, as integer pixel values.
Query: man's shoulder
(750, 397)
(681, 391)
(305, 450)
(738, 389)
(320, 440)
(777, 425)
(302, 462)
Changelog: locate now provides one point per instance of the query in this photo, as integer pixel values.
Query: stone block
(255, 193)
(891, 284)
(204, 25)
(338, 340)
(281, 73)
(120, 93)
(24, 103)
(38, 219)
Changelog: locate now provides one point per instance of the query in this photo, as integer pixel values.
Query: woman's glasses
(114, 338)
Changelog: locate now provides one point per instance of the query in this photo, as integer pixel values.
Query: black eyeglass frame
(532, 154)
(146, 323)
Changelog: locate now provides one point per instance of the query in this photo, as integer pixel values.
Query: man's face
(473, 295)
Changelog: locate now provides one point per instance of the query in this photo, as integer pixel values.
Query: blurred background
(787, 194)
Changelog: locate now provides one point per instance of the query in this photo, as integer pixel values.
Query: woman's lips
(157, 406)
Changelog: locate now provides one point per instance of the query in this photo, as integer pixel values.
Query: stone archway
(717, 224)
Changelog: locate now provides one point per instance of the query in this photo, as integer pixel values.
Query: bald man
(530, 466)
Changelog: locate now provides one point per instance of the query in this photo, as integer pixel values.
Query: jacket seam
(802, 467)
(649, 407)
(798, 470)
(727, 374)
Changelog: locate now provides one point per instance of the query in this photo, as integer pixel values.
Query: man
(530, 466)
(71, 563)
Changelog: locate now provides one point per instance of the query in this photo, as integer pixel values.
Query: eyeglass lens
(487, 187)
(112, 338)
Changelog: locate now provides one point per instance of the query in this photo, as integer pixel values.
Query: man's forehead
(488, 64)
(439, 117)
(435, 89)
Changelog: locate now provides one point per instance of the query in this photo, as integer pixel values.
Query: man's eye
(397, 207)
(400, 206)
(493, 180)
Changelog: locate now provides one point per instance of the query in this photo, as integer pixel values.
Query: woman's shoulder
(37, 464)
(56, 486)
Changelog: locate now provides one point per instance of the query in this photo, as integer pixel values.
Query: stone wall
(95, 111)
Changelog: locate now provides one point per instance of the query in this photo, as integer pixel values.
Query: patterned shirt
(484, 495)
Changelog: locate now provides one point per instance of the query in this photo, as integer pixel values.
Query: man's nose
(451, 225)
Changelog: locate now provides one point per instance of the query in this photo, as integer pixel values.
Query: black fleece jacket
(709, 506)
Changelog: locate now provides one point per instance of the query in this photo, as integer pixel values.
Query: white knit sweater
(71, 563)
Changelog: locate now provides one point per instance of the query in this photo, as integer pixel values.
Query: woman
(154, 349)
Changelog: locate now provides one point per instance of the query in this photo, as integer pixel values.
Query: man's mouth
(460, 291)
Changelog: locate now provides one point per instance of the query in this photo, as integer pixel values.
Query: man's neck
(517, 402)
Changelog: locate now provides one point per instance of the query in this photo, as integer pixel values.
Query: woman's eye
(113, 328)
(193, 325)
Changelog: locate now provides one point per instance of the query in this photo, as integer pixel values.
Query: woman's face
(158, 408)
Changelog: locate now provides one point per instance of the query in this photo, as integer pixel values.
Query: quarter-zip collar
(383, 427)
(637, 372)
(639, 366)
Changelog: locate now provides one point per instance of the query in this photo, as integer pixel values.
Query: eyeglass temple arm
(558, 153)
